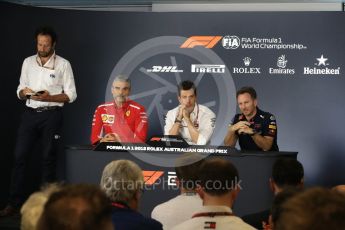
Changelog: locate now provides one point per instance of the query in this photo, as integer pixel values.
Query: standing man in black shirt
(254, 128)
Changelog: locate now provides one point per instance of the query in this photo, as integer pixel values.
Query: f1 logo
(205, 41)
(150, 177)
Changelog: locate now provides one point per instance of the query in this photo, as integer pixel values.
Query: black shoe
(9, 210)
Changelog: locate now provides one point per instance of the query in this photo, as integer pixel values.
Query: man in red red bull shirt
(121, 120)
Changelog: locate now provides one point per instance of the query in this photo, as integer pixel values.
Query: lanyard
(195, 122)
(212, 214)
(119, 205)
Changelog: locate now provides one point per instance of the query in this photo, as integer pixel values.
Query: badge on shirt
(272, 127)
(52, 75)
(106, 118)
(128, 112)
(210, 225)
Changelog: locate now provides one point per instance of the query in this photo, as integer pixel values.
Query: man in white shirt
(46, 83)
(192, 121)
(181, 207)
(218, 188)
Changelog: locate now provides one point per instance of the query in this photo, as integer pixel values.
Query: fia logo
(52, 75)
(231, 42)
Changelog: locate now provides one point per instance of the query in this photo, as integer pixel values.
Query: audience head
(122, 181)
(32, 209)
(187, 169)
(278, 202)
(313, 209)
(218, 178)
(77, 207)
(286, 172)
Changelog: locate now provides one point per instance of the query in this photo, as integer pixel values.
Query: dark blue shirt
(263, 123)
(128, 219)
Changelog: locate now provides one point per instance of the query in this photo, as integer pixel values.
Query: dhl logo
(150, 177)
(205, 41)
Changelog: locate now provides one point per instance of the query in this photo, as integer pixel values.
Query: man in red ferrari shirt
(121, 120)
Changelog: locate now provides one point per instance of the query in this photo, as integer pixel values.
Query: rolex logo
(247, 61)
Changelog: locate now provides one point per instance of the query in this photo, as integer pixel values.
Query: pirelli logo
(205, 41)
(198, 68)
(150, 177)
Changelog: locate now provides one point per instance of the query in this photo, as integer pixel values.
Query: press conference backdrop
(295, 61)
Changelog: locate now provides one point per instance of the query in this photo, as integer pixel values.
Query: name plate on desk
(141, 147)
(176, 144)
(121, 147)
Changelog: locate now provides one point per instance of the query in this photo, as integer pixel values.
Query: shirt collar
(49, 64)
(258, 114)
(215, 208)
(189, 193)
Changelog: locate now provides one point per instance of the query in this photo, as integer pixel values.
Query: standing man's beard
(45, 54)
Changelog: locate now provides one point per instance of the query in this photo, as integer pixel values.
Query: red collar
(119, 205)
(212, 214)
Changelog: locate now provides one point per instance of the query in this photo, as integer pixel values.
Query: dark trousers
(36, 127)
